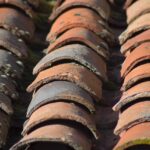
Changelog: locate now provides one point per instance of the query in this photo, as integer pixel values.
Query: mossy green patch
(144, 141)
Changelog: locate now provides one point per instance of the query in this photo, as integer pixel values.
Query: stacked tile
(134, 106)
(69, 78)
(15, 27)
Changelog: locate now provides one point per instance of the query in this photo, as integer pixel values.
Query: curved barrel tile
(137, 56)
(10, 65)
(16, 22)
(138, 74)
(83, 36)
(142, 23)
(60, 91)
(136, 136)
(135, 93)
(5, 104)
(61, 111)
(137, 9)
(78, 53)
(60, 134)
(128, 3)
(13, 44)
(16, 25)
(70, 72)
(135, 114)
(100, 6)
(79, 17)
(134, 42)
(19, 4)
(7, 87)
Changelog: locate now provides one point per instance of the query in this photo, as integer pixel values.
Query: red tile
(137, 56)
(60, 134)
(16, 22)
(140, 91)
(136, 136)
(84, 36)
(70, 72)
(19, 4)
(75, 53)
(133, 115)
(61, 91)
(134, 42)
(142, 23)
(137, 9)
(77, 17)
(100, 6)
(65, 111)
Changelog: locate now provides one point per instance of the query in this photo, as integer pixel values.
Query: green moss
(134, 143)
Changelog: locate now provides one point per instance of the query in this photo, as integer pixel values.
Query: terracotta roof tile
(139, 55)
(134, 94)
(77, 17)
(134, 42)
(9, 64)
(137, 9)
(69, 72)
(19, 4)
(8, 87)
(13, 44)
(84, 36)
(6, 104)
(16, 22)
(137, 137)
(70, 77)
(60, 134)
(133, 124)
(137, 75)
(64, 111)
(15, 27)
(100, 6)
(140, 24)
(60, 91)
(75, 53)
(136, 114)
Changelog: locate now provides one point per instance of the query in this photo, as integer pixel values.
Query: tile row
(134, 106)
(16, 28)
(69, 78)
